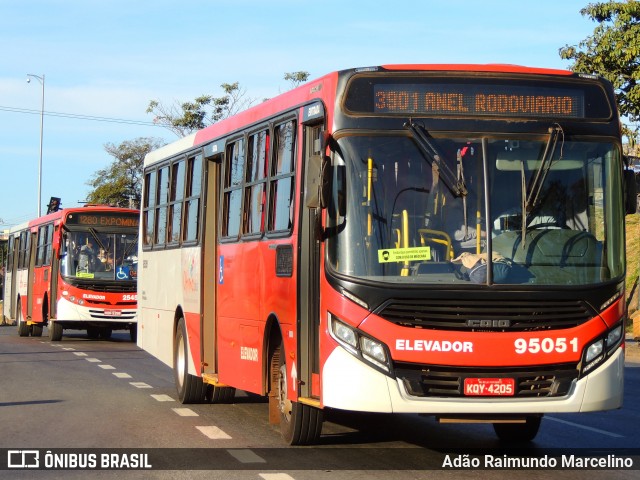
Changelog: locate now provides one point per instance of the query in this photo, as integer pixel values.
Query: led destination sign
(478, 100)
(458, 95)
(103, 220)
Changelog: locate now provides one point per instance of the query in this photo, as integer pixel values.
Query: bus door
(55, 271)
(31, 278)
(210, 270)
(11, 275)
(309, 262)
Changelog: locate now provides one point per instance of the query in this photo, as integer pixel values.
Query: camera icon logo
(23, 459)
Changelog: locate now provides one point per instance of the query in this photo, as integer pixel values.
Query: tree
(183, 119)
(188, 117)
(613, 51)
(120, 184)
(296, 78)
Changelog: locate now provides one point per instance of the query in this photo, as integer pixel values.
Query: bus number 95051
(545, 345)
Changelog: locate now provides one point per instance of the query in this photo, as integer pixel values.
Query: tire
(518, 432)
(105, 333)
(300, 424)
(215, 394)
(191, 389)
(55, 331)
(23, 328)
(36, 330)
(93, 333)
(133, 333)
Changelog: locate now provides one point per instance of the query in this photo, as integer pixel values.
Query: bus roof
(66, 211)
(314, 90)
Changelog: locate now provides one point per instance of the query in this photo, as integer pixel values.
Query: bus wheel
(36, 330)
(518, 432)
(217, 394)
(105, 333)
(300, 424)
(23, 328)
(133, 332)
(55, 331)
(191, 389)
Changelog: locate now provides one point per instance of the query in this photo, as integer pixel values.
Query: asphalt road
(89, 397)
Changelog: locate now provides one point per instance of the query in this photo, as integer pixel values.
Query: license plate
(113, 313)
(500, 387)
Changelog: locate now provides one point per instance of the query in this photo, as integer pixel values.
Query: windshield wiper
(128, 249)
(535, 186)
(531, 193)
(95, 235)
(433, 156)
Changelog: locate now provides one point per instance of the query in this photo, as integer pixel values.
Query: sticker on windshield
(414, 254)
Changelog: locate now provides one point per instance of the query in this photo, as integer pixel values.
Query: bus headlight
(614, 337)
(360, 345)
(373, 351)
(594, 350)
(344, 334)
(601, 348)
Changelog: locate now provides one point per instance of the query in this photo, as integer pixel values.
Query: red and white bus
(435, 239)
(74, 269)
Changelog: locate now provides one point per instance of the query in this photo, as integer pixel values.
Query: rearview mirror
(630, 190)
(325, 182)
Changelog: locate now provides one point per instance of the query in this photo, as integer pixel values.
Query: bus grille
(111, 288)
(486, 315)
(421, 381)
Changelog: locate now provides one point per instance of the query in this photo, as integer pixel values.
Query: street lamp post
(41, 80)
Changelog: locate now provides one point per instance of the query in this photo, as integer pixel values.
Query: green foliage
(188, 117)
(296, 78)
(120, 184)
(613, 51)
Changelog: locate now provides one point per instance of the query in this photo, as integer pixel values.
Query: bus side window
(192, 199)
(281, 182)
(233, 175)
(149, 207)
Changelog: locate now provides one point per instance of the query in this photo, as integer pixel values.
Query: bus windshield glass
(93, 255)
(542, 210)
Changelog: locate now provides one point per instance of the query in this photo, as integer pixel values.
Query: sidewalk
(632, 350)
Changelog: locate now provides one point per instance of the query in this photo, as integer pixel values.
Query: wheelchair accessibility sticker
(123, 273)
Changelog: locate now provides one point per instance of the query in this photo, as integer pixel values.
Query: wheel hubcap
(284, 403)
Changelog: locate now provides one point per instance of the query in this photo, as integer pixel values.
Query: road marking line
(68, 348)
(276, 476)
(107, 367)
(140, 385)
(185, 412)
(246, 456)
(80, 354)
(122, 375)
(163, 398)
(214, 433)
(584, 427)
(93, 360)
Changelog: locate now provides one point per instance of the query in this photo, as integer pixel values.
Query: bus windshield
(100, 256)
(406, 211)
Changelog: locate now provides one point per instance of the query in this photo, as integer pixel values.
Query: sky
(104, 61)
